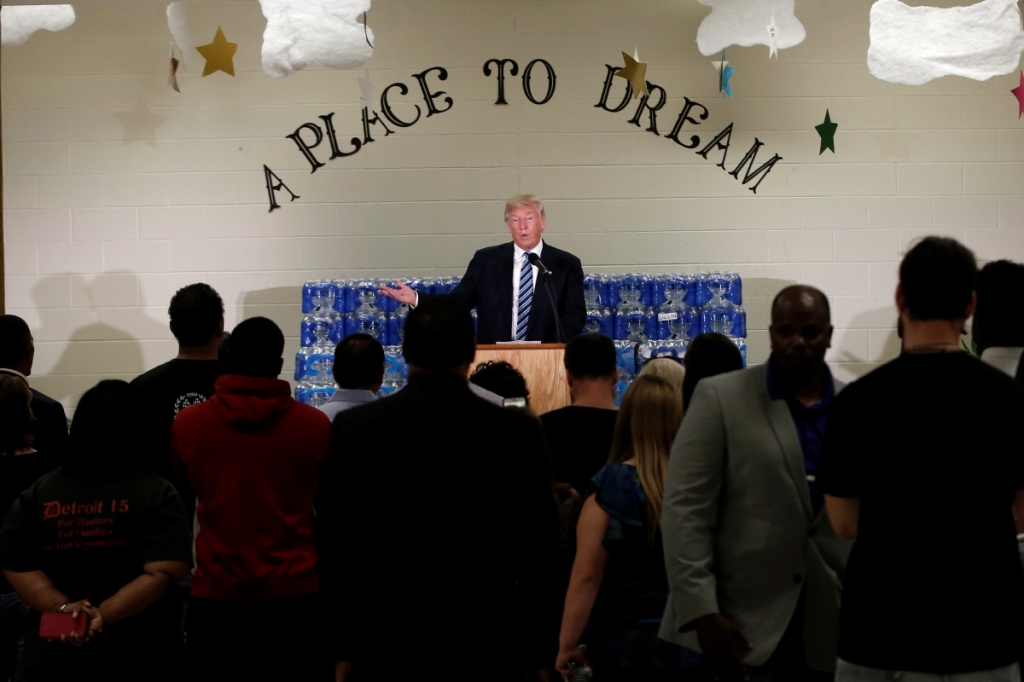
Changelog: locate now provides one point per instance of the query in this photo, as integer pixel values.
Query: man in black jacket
(438, 529)
(17, 351)
(506, 283)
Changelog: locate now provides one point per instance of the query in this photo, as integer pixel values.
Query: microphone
(535, 260)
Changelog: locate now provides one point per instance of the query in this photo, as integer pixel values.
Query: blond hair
(649, 417)
(666, 368)
(520, 200)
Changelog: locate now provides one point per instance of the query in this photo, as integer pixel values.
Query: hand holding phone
(55, 626)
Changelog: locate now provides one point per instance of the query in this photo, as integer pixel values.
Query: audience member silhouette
(252, 455)
(919, 467)
(359, 372)
(197, 321)
(752, 561)
(438, 505)
(501, 378)
(580, 436)
(17, 353)
(100, 537)
(670, 369)
(708, 355)
(998, 325)
(618, 587)
(21, 465)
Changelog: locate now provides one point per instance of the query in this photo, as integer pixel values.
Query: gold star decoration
(635, 71)
(218, 55)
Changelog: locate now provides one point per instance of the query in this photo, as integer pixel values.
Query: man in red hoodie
(251, 455)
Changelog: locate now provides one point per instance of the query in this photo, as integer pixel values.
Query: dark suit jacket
(50, 427)
(438, 534)
(487, 286)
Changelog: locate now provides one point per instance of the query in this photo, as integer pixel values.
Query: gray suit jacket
(738, 528)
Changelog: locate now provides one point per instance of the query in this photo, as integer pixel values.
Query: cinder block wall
(119, 190)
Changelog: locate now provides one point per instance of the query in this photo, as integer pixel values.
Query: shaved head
(801, 296)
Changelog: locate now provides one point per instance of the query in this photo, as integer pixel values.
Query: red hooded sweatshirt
(251, 454)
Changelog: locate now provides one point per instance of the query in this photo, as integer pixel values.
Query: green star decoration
(827, 131)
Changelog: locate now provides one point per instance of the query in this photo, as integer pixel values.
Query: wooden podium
(541, 364)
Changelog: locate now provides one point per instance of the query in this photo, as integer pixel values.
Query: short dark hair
(999, 317)
(104, 438)
(358, 361)
(813, 291)
(500, 377)
(15, 414)
(708, 355)
(439, 335)
(256, 348)
(938, 277)
(14, 338)
(590, 356)
(196, 313)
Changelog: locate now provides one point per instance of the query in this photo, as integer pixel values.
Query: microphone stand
(548, 287)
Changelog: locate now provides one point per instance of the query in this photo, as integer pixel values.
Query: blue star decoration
(827, 131)
(725, 72)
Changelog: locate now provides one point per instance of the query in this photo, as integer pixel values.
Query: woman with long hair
(100, 537)
(618, 580)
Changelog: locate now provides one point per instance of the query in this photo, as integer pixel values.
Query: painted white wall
(118, 190)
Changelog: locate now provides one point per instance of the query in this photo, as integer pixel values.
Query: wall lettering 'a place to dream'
(310, 135)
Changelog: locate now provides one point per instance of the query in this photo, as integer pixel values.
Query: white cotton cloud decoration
(18, 23)
(913, 45)
(301, 33)
(745, 23)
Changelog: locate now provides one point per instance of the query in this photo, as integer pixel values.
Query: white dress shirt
(520, 259)
(1004, 358)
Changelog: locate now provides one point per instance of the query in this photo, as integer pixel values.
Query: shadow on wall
(98, 349)
(882, 343)
(283, 305)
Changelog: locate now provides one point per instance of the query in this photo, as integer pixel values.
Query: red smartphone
(56, 625)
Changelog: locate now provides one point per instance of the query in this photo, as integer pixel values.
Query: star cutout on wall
(218, 55)
(827, 131)
(635, 71)
(773, 39)
(366, 91)
(140, 124)
(725, 72)
(1018, 92)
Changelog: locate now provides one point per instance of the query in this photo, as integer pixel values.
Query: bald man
(754, 567)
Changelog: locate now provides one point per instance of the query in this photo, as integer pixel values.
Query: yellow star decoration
(218, 55)
(635, 72)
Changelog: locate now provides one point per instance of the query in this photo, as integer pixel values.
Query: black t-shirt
(580, 439)
(161, 394)
(930, 444)
(18, 472)
(91, 537)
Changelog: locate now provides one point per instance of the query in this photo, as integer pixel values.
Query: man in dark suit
(17, 350)
(438, 529)
(509, 292)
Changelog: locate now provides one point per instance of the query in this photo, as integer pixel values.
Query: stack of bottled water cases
(333, 309)
(652, 316)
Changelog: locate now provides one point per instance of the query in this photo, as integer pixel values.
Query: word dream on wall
(310, 135)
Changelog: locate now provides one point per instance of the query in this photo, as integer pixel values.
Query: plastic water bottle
(718, 314)
(734, 288)
(582, 672)
(366, 318)
(395, 371)
(599, 318)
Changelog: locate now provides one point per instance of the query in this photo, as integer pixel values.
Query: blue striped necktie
(525, 298)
